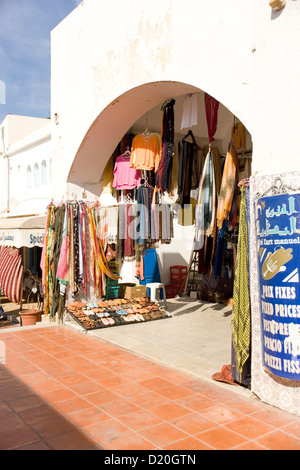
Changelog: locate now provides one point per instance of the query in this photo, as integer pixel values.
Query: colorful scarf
(100, 265)
(228, 186)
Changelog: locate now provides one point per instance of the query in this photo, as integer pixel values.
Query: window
(36, 176)
(29, 177)
(44, 173)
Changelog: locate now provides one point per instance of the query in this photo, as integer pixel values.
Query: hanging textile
(207, 195)
(145, 152)
(125, 176)
(58, 229)
(185, 171)
(190, 111)
(164, 171)
(228, 186)
(241, 298)
(47, 279)
(100, 265)
(11, 274)
(211, 110)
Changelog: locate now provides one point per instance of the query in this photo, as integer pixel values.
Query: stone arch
(114, 121)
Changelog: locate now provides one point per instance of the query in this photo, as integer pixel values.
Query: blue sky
(25, 27)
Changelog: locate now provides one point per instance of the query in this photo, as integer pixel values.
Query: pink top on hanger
(125, 177)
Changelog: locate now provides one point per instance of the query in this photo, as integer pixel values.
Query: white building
(26, 190)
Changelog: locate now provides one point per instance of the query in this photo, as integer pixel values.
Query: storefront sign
(278, 237)
(22, 237)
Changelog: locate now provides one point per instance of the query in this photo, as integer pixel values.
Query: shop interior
(187, 152)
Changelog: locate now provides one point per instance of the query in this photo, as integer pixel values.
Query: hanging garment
(108, 176)
(211, 110)
(241, 322)
(190, 111)
(145, 152)
(100, 265)
(185, 170)
(129, 242)
(63, 263)
(125, 176)
(238, 136)
(207, 195)
(58, 231)
(228, 186)
(217, 165)
(164, 171)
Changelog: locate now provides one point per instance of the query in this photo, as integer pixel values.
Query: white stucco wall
(27, 144)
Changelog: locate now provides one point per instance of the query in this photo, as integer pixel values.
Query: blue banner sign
(278, 238)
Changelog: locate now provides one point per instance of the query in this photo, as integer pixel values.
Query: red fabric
(11, 274)
(211, 108)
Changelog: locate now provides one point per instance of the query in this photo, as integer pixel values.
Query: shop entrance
(198, 283)
(172, 149)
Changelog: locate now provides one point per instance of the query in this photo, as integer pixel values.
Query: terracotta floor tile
(101, 397)
(197, 385)
(119, 407)
(189, 443)
(86, 387)
(24, 403)
(75, 378)
(88, 416)
(45, 386)
(39, 445)
(221, 438)
(38, 413)
(74, 440)
(10, 422)
(169, 411)
(155, 384)
(249, 427)
(279, 440)
(193, 423)
(220, 414)
(196, 402)
(163, 434)
(50, 426)
(250, 445)
(149, 399)
(59, 395)
(274, 417)
(108, 430)
(175, 392)
(4, 409)
(74, 404)
(129, 442)
(292, 428)
(15, 393)
(18, 438)
(139, 420)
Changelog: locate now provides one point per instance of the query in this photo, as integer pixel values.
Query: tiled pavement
(63, 390)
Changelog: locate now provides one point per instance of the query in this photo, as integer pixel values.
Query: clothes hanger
(190, 134)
